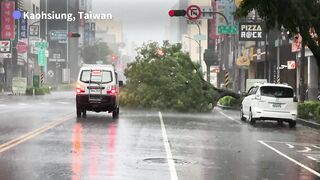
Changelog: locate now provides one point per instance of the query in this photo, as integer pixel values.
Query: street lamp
(199, 44)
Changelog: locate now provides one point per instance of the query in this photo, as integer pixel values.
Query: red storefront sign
(7, 21)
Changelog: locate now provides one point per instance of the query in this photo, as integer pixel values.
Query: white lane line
(170, 160)
(306, 149)
(232, 119)
(312, 158)
(289, 158)
(316, 146)
(290, 146)
(64, 102)
(292, 143)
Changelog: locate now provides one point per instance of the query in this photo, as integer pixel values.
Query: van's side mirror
(295, 99)
(120, 83)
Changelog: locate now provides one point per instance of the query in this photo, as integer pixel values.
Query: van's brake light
(80, 89)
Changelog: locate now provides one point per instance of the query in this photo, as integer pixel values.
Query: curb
(227, 107)
(308, 123)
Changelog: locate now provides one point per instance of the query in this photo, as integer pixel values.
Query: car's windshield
(89, 76)
(275, 91)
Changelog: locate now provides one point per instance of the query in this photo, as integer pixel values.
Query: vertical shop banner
(7, 21)
(23, 28)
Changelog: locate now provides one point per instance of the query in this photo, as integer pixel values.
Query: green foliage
(97, 52)
(317, 114)
(29, 91)
(294, 15)
(38, 91)
(308, 109)
(168, 81)
(230, 101)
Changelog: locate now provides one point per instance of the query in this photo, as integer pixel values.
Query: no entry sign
(194, 12)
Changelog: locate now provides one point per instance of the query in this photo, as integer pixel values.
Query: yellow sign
(243, 61)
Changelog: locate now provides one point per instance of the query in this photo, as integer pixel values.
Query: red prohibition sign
(194, 12)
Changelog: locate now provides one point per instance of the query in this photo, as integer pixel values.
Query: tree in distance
(97, 52)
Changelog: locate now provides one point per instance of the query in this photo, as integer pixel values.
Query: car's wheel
(78, 112)
(115, 113)
(292, 124)
(241, 115)
(251, 119)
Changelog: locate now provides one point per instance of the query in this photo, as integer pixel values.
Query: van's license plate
(276, 105)
(94, 90)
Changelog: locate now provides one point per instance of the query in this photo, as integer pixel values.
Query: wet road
(42, 139)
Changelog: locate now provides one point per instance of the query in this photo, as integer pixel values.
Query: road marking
(292, 143)
(291, 159)
(312, 158)
(232, 119)
(306, 149)
(170, 160)
(290, 146)
(64, 102)
(316, 146)
(25, 137)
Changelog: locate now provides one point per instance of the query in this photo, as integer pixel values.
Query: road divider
(12, 143)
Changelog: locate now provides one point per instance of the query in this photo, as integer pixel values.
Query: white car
(270, 102)
(97, 90)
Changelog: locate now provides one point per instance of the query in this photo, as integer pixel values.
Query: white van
(268, 101)
(97, 90)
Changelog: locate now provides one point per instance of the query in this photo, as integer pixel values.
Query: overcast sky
(142, 20)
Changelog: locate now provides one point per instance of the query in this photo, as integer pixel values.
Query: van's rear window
(88, 76)
(279, 92)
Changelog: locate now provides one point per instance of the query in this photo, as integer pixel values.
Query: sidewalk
(308, 123)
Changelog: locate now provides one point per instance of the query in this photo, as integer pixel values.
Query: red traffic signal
(177, 13)
(73, 34)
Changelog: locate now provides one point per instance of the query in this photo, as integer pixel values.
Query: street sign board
(7, 20)
(58, 35)
(42, 45)
(34, 30)
(291, 64)
(5, 55)
(252, 31)
(5, 46)
(194, 12)
(227, 29)
(41, 57)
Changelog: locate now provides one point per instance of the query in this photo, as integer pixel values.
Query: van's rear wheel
(115, 113)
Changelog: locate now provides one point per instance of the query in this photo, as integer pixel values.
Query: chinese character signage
(23, 28)
(7, 21)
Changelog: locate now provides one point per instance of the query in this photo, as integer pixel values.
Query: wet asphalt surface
(41, 138)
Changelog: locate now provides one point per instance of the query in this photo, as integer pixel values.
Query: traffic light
(177, 13)
(73, 34)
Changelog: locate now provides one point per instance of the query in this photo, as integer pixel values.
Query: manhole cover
(164, 160)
